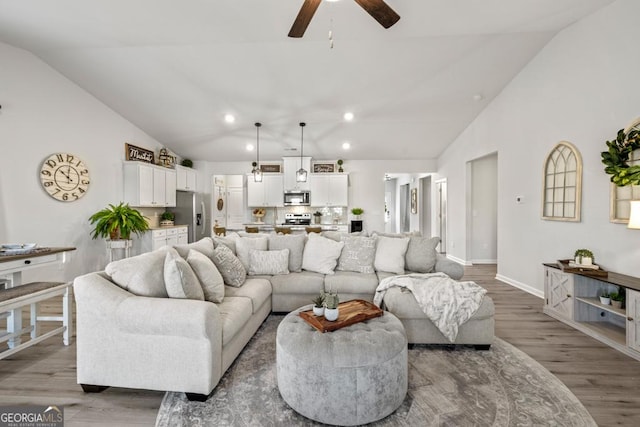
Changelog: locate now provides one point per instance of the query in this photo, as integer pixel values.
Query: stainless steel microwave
(297, 198)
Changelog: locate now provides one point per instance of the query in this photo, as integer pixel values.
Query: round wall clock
(64, 177)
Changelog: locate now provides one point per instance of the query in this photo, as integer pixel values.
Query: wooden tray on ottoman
(351, 312)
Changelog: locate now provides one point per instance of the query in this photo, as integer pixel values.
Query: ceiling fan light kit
(378, 9)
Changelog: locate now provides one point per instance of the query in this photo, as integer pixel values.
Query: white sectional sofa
(165, 320)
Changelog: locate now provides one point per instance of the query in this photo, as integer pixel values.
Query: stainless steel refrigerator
(191, 210)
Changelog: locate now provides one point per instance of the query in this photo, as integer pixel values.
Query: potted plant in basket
(317, 217)
(167, 218)
(118, 222)
(356, 212)
(331, 311)
(617, 298)
(318, 305)
(584, 257)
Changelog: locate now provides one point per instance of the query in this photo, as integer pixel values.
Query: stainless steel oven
(297, 198)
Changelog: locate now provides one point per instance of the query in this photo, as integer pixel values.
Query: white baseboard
(533, 291)
(484, 261)
(458, 260)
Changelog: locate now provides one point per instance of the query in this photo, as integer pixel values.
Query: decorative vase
(331, 314)
(317, 219)
(587, 260)
(605, 300)
(318, 311)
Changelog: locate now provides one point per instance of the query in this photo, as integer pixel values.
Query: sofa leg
(482, 346)
(197, 397)
(90, 388)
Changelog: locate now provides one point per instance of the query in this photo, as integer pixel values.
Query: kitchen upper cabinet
(269, 192)
(291, 166)
(185, 178)
(147, 185)
(329, 189)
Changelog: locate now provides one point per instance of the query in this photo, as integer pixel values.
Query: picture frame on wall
(139, 154)
(270, 168)
(414, 200)
(324, 168)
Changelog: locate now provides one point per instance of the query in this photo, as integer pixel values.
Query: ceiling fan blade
(304, 17)
(380, 11)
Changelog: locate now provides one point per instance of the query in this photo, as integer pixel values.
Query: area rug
(452, 386)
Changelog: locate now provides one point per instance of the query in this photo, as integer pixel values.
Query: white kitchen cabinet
(329, 189)
(269, 192)
(185, 178)
(147, 185)
(183, 235)
(291, 166)
(157, 238)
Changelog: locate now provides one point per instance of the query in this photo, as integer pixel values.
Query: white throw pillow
(204, 246)
(321, 254)
(179, 278)
(268, 262)
(390, 253)
(210, 278)
(142, 275)
(245, 244)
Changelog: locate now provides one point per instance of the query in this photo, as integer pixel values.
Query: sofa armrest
(450, 268)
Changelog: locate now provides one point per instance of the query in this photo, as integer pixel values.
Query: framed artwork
(132, 152)
(414, 200)
(270, 168)
(324, 168)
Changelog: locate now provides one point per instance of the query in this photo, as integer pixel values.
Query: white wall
(582, 87)
(483, 210)
(44, 113)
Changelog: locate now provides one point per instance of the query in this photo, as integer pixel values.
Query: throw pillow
(295, 244)
(268, 262)
(179, 278)
(321, 254)
(390, 254)
(358, 254)
(204, 245)
(245, 244)
(210, 278)
(229, 266)
(142, 275)
(421, 254)
(229, 242)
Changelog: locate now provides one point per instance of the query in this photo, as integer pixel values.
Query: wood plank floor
(606, 381)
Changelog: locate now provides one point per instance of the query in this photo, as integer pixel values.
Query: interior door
(442, 214)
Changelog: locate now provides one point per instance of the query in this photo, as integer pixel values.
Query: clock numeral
(45, 172)
(84, 172)
(85, 182)
(47, 183)
(81, 190)
(79, 163)
(75, 195)
(52, 164)
(69, 158)
(56, 192)
(60, 158)
(65, 196)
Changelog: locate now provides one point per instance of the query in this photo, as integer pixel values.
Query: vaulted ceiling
(175, 68)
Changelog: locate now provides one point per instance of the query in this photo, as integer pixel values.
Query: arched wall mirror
(562, 183)
(619, 206)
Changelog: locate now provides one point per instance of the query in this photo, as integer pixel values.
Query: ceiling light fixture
(249, 147)
(346, 146)
(257, 173)
(301, 174)
(348, 116)
(229, 118)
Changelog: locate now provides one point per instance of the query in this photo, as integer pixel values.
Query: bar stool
(282, 230)
(220, 231)
(313, 229)
(251, 229)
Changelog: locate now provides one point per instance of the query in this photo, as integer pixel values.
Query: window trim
(578, 185)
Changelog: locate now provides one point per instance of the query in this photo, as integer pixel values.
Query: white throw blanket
(447, 302)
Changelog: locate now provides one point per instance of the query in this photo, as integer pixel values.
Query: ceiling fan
(378, 9)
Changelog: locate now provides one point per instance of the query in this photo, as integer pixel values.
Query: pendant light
(301, 174)
(257, 173)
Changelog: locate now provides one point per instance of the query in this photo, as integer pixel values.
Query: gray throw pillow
(421, 254)
(268, 262)
(226, 241)
(179, 278)
(229, 266)
(358, 254)
(295, 244)
(204, 246)
(210, 278)
(245, 244)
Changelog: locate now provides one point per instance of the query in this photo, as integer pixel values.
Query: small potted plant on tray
(605, 297)
(318, 305)
(584, 257)
(331, 310)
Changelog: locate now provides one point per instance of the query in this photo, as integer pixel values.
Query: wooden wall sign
(136, 153)
(323, 168)
(270, 168)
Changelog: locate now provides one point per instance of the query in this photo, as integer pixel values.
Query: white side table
(117, 245)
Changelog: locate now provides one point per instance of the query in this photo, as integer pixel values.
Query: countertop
(164, 227)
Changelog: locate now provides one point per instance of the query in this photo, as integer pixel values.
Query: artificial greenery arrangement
(118, 222)
(187, 163)
(317, 213)
(584, 253)
(340, 162)
(318, 301)
(357, 211)
(618, 296)
(331, 300)
(616, 158)
(167, 216)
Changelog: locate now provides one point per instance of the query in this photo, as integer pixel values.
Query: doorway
(482, 214)
(441, 206)
(405, 203)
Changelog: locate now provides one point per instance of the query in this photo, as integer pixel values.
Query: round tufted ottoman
(355, 375)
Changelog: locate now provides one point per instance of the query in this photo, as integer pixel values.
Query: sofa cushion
(306, 282)
(321, 254)
(268, 262)
(402, 303)
(350, 282)
(142, 275)
(234, 314)
(257, 290)
(229, 266)
(179, 278)
(228, 241)
(421, 254)
(210, 278)
(245, 244)
(295, 244)
(358, 254)
(204, 246)
(390, 252)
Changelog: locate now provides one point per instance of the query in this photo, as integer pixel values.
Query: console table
(11, 267)
(572, 296)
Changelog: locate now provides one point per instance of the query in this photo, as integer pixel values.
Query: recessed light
(229, 118)
(348, 116)
(346, 146)
(249, 147)
(478, 97)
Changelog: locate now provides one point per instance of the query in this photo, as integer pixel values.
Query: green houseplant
(331, 310)
(317, 215)
(584, 256)
(357, 211)
(118, 222)
(167, 218)
(187, 163)
(318, 305)
(340, 162)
